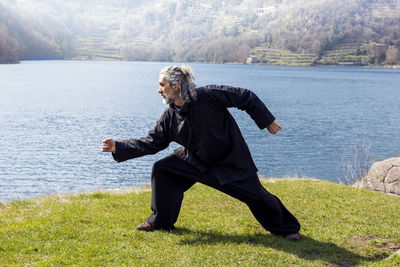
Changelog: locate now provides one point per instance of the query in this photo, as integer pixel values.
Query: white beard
(167, 100)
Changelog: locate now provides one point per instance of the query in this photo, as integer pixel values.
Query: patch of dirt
(343, 264)
(383, 245)
(312, 253)
(124, 191)
(274, 180)
(377, 242)
(3, 206)
(360, 240)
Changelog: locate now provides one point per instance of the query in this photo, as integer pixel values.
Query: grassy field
(341, 226)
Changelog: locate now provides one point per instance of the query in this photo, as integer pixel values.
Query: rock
(384, 176)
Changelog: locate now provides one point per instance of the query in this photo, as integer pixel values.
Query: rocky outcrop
(384, 176)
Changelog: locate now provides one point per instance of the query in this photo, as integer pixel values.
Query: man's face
(167, 92)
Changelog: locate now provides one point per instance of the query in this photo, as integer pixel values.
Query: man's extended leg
(168, 183)
(266, 208)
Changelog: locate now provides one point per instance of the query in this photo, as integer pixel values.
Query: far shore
(229, 63)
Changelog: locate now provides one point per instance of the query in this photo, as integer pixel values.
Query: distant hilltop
(282, 32)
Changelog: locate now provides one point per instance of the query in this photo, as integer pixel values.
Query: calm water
(54, 114)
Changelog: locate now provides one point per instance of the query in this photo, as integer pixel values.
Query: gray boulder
(384, 176)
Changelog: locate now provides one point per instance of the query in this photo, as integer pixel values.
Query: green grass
(341, 226)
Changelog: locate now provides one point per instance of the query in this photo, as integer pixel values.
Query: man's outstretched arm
(122, 150)
(244, 99)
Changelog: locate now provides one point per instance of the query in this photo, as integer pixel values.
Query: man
(213, 151)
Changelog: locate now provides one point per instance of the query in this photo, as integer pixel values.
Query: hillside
(30, 32)
(290, 32)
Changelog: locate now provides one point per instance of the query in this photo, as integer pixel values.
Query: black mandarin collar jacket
(208, 133)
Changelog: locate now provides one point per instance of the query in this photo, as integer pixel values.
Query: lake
(54, 115)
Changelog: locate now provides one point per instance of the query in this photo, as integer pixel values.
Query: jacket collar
(180, 110)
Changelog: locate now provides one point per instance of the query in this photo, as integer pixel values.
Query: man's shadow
(307, 248)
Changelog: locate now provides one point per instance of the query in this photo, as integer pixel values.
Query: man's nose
(160, 90)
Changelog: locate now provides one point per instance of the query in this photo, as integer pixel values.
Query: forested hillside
(298, 32)
(31, 32)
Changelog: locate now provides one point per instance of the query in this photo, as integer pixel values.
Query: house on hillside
(251, 60)
(266, 10)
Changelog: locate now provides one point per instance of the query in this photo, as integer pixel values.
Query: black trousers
(172, 176)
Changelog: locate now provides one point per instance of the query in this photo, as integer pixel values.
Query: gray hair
(184, 76)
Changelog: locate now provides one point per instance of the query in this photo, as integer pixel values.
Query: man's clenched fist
(108, 145)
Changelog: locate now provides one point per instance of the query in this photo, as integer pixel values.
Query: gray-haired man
(213, 151)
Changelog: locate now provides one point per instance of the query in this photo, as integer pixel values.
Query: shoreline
(144, 188)
(141, 189)
(224, 63)
(147, 188)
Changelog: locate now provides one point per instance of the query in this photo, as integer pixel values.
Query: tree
(9, 48)
(392, 55)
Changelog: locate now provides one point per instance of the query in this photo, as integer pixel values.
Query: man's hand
(274, 127)
(108, 145)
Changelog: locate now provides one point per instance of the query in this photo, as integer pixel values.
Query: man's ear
(175, 86)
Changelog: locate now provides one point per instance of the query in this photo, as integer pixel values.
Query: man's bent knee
(160, 165)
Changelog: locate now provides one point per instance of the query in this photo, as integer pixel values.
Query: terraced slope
(96, 47)
(387, 9)
(346, 54)
(100, 43)
(282, 57)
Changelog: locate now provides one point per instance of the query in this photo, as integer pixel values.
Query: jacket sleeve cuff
(267, 120)
(117, 154)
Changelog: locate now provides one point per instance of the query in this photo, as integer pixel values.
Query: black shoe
(145, 227)
(293, 237)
